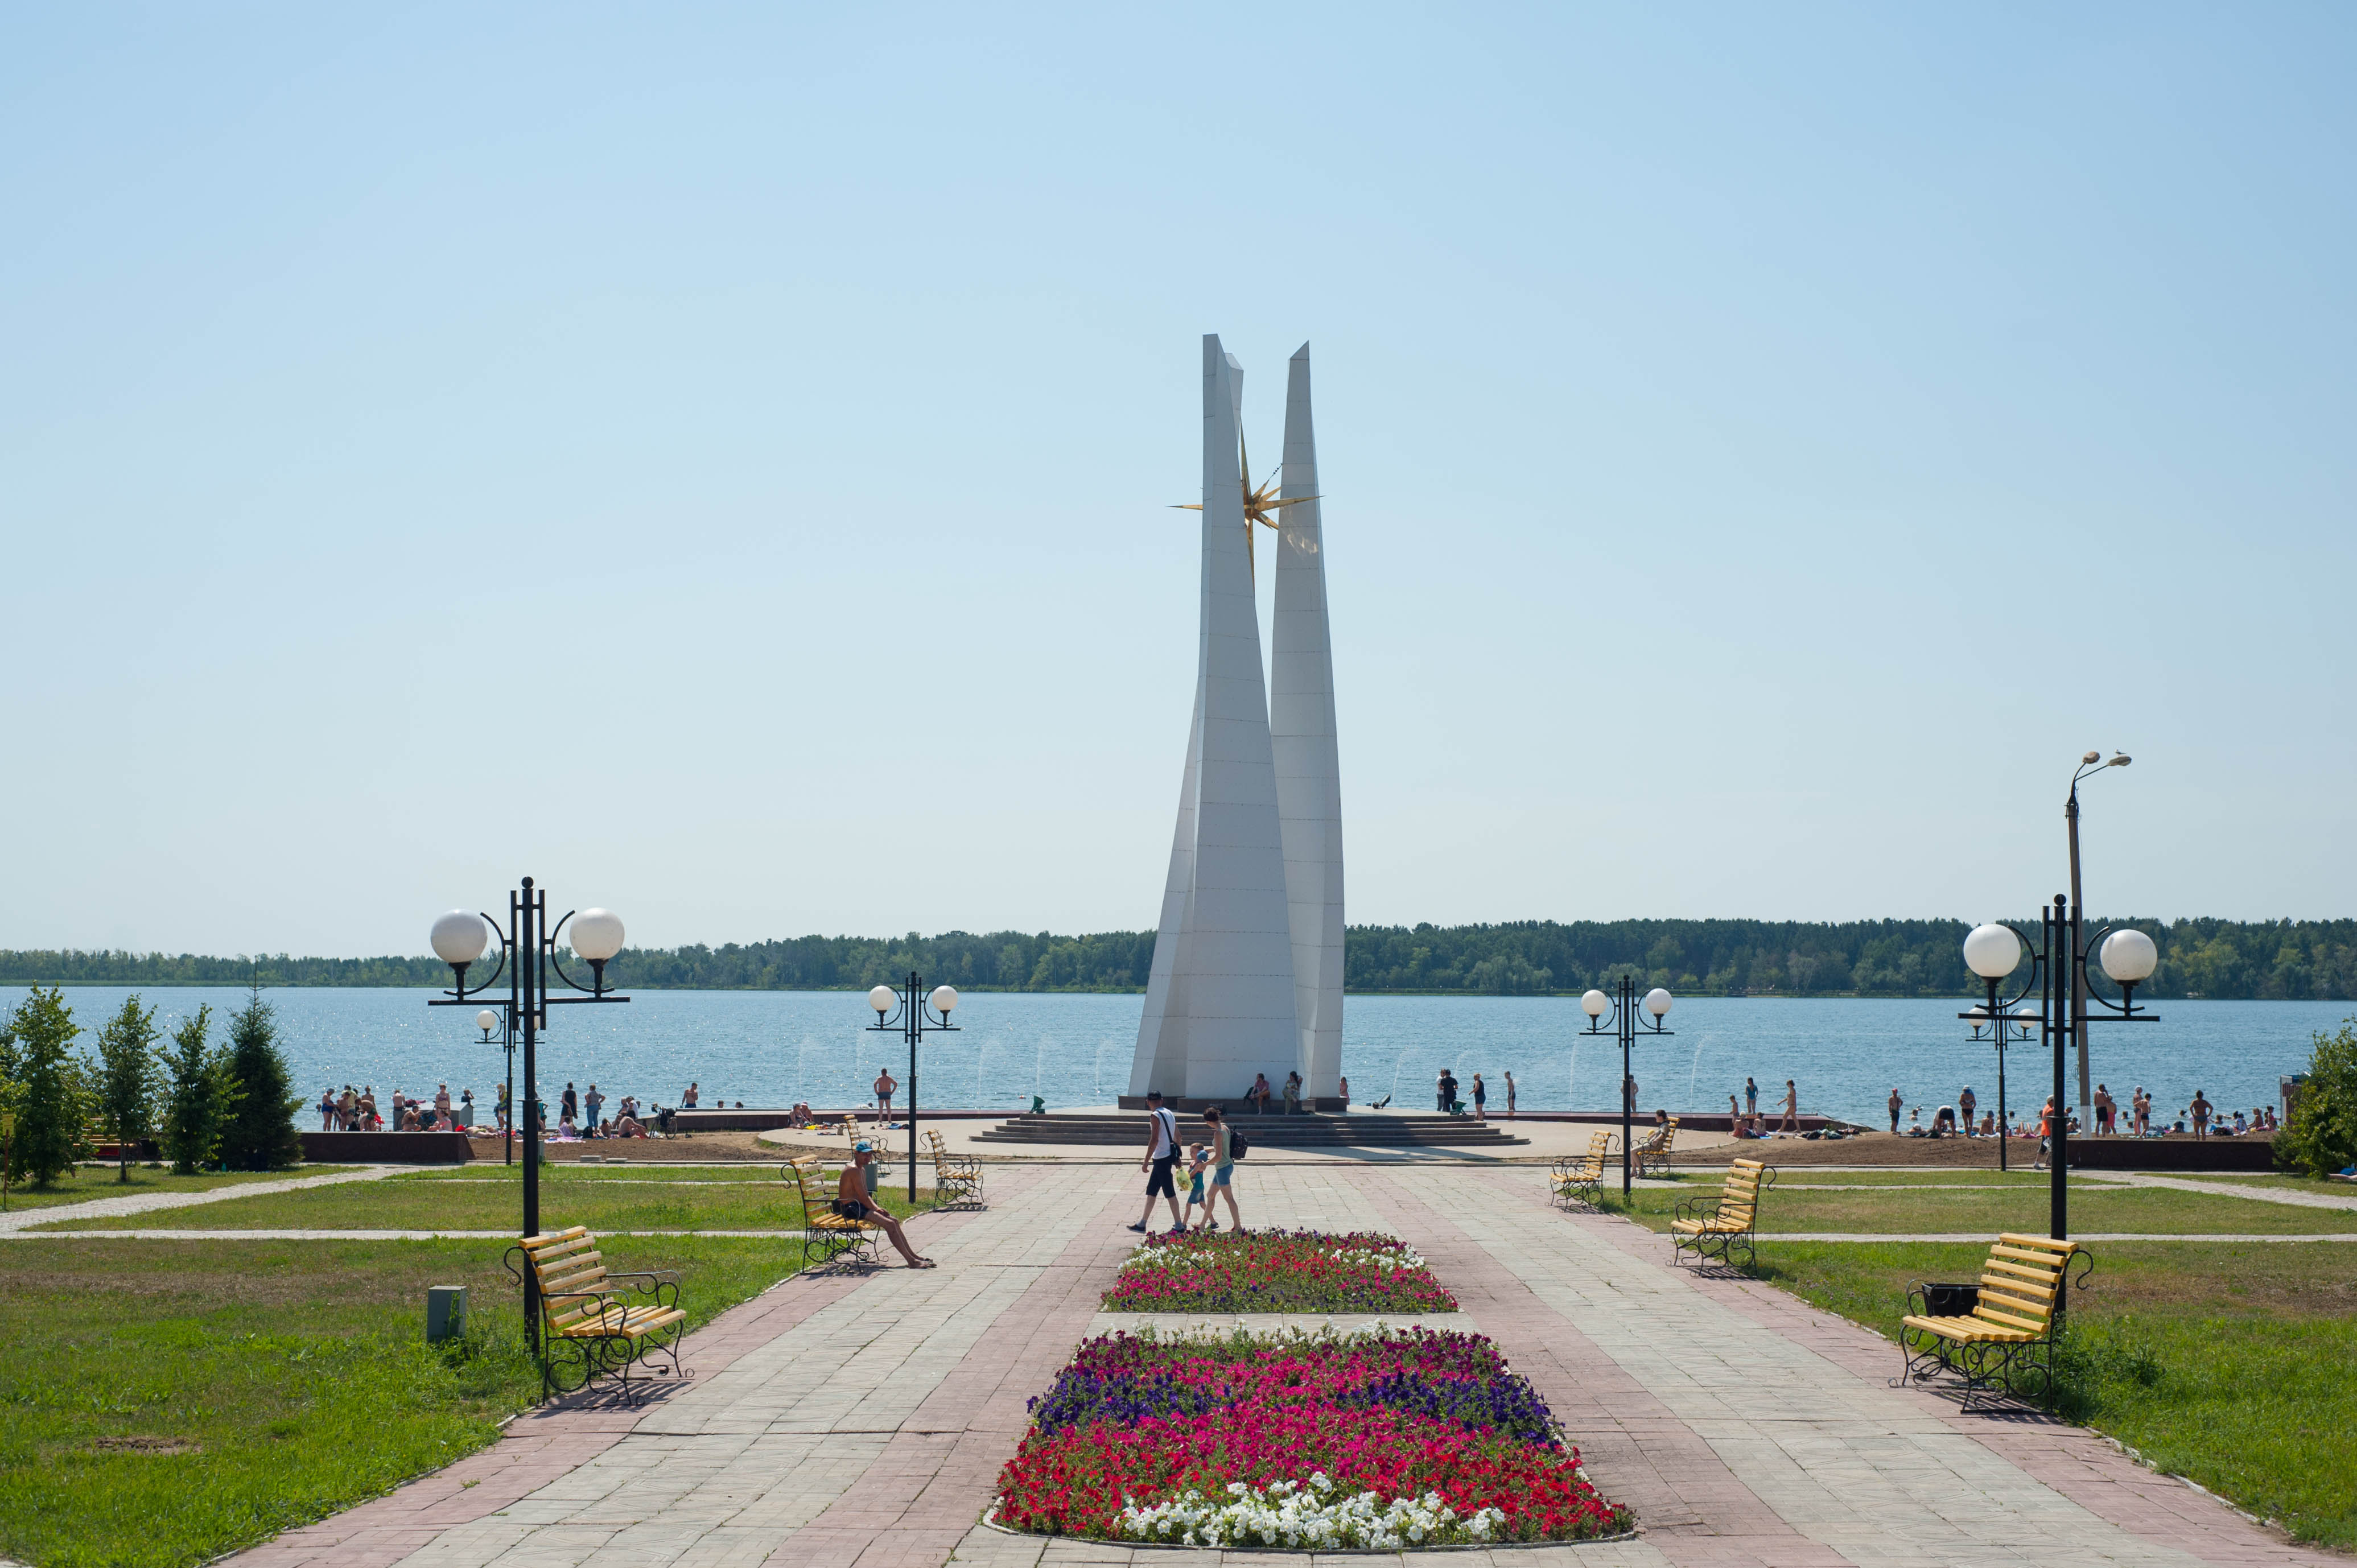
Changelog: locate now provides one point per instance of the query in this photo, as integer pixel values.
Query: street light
(2058, 972)
(1993, 952)
(1621, 1002)
(486, 1020)
(527, 954)
(918, 1012)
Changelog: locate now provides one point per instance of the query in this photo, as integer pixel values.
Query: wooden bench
(587, 1330)
(957, 1178)
(828, 1237)
(1579, 1178)
(1653, 1153)
(1732, 1212)
(2008, 1328)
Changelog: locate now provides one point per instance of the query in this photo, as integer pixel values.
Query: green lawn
(483, 1199)
(162, 1402)
(1967, 1207)
(2233, 1364)
(86, 1182)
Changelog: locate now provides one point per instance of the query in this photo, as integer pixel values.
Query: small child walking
(1200, 1162)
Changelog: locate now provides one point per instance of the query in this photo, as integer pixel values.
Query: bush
(2321, 1136)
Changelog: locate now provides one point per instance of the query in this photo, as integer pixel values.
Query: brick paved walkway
(858, 1422)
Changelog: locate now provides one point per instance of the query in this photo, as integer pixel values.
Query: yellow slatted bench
(1579, 1178)
(957, 1178)
(2009, 1333)
(828, 1237)
(1713, 1225)
(1653, 1158)
(592, 1324)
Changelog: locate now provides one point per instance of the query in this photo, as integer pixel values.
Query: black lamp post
(527, 955)
(917, 1013)
(1621, 1002)
(2059, 958)
(2005, 1027)
(488, 1020)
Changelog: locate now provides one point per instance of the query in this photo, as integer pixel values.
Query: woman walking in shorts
(1224, 1172)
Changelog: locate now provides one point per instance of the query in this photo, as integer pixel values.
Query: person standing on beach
(1898, 1103)
(1510, 1095)
(2200, 1111)
(1965, 1103)
(885, 1087)
(1750, 1098)
(1791, 1123)
(2105, 1109)
(1481, 1099)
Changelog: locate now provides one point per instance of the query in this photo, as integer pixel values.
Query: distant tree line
(2263, 959)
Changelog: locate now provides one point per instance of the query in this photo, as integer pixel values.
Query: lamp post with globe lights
(527, 956)
(2058, 971)
(1621, 1002)
(2092, 763)
(1993, 952)
(917, 1013)
(486, 1020)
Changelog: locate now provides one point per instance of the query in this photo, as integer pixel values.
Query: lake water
(772, 1048)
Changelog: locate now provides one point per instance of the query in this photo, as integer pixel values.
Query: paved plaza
(859, 1420)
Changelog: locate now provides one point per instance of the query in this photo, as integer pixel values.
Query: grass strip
(2234, 1364)
(88, 1182)
(1973, 1209)
(164, 1403)
(566, 1197)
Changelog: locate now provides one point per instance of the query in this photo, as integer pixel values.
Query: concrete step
(1273, 1132)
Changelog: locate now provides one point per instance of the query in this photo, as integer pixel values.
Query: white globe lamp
(1657, 1002)
(1992, 952)
(2129, 957)
(880, 998)
(944, 999)
(459, 938)
(487, 1020)
(1594, 1003)
(597, 934)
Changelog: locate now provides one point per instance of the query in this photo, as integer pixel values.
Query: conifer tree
(51, 1101)
(203, 1089)
(258, 1132)
(128, 1080)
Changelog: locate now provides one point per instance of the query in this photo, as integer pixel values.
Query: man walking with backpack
(1162, 1160)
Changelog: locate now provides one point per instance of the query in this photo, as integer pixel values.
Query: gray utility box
(446, 1313)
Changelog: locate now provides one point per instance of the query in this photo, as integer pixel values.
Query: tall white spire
(1220, 1002)
(1308, 768)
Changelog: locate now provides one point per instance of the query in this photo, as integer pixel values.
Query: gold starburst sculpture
(1258, 504)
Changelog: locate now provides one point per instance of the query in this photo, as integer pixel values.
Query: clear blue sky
(1764, 447)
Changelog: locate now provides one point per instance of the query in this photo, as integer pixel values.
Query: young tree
(127, 1078)
(258, 1131)
(202, 1094)
(52, 1102)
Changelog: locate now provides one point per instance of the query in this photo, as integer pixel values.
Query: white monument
(1247, 975)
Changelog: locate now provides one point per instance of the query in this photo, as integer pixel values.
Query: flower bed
(1372, 1441)
(1276, 1271)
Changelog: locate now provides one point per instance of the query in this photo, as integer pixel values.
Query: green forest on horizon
(2273, 960)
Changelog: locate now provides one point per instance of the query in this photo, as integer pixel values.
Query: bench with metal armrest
(1714, 1224)
(2004, 1325)
(589, 1325)
(1579, 1178)
(957, 1178)
(828, 1236)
